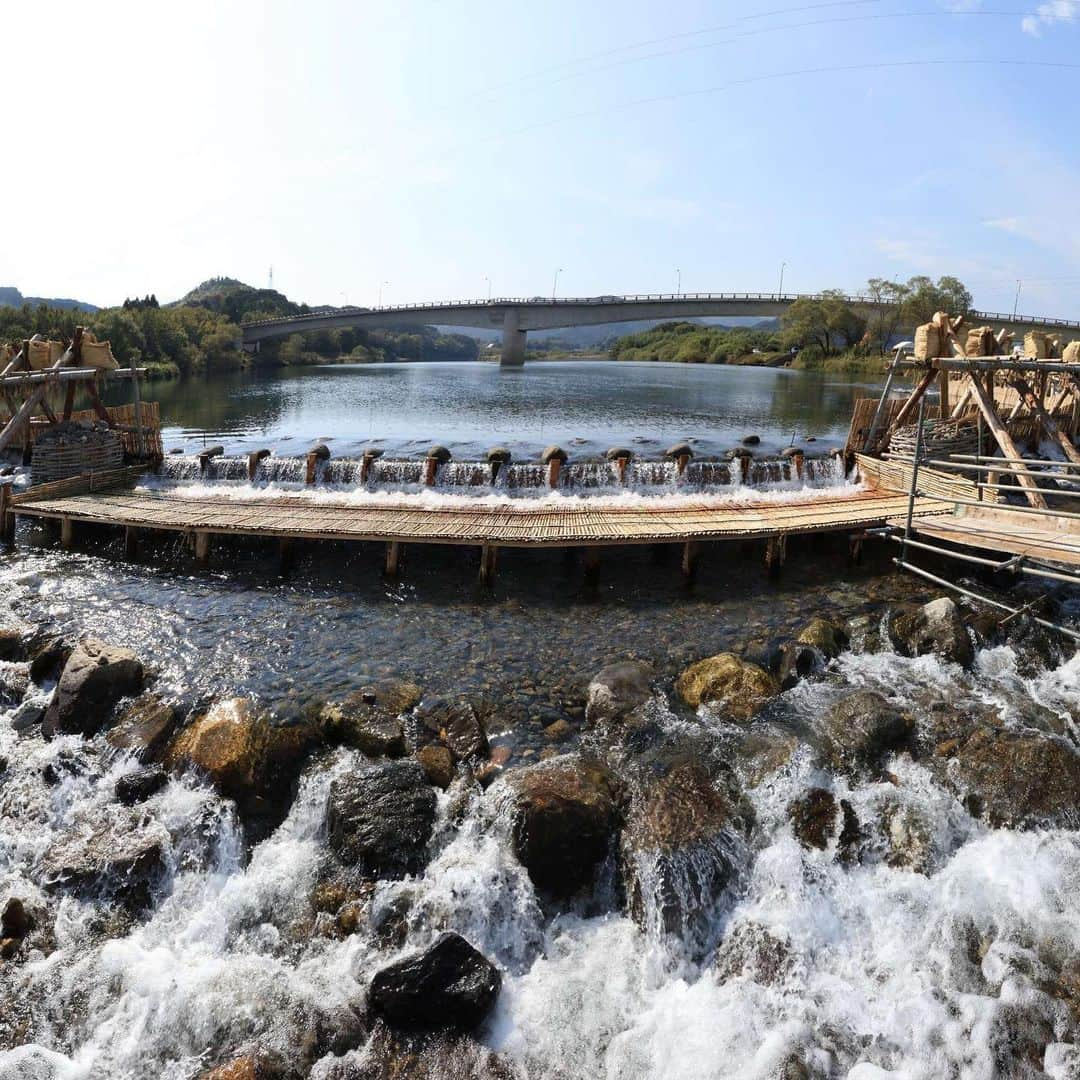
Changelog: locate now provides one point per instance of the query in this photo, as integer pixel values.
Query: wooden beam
(202, 548)
(393, 558)
(489, 554)
(921, 387)
(943, 391)
(689, 559)
(96, 405)
(775, 553)
(961, 404)
(69, 401)
(21, 417)
(131, 542)
(1048, 425)
(1005, 442)
(7, 517)
(286, 551)
(67, 533)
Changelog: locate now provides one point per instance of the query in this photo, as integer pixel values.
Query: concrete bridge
(516, 317)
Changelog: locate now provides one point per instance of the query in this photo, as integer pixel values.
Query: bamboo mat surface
(511, 525)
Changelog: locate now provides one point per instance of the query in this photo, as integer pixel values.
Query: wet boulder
(733, 685)
(861, 730)
(380, 817)
(447, 986)
(824, 636)
(795, 660)
(249, 1067)
(438, 764)
(14, 684)
(137, 787)
(12, 645)
(565, 816)
(936, 628)
(681, 847)
(246, 755)
(144, 727)
(397, 1054)
(370, 719)
(618, 690)
(813, 816)
(95, 678)
(752, 951)
(28, 715)
(120, 855)
(48, 655)
(1018, 779)
(864, 633)
(457, 723)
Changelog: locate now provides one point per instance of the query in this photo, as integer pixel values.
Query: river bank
(804, 830)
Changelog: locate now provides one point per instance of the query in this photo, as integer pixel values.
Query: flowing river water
(943, 942)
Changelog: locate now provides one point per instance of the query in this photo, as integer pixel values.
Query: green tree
(887, 300)
(925, 298)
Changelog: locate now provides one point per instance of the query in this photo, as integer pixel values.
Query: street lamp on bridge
(488, 280)
(382, 285)
(783, 267)
(555, 283)
(678, 282)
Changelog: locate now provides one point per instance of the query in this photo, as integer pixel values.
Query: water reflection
(587, 406)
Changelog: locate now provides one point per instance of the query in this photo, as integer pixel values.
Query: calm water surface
(585, 406)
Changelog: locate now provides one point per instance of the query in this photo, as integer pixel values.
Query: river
(942, 941)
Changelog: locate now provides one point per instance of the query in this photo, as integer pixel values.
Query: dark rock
(380, 817)
(937, 628)
(751, 440)
(619, 453)
(16, 921)
(739, 688)
(145, 727)
(617, 690)
(12, 645)
(864, 633)
(565, 816)
(66, 763)
(438, 764)
(449, 985)
(14, 684)
(370, 719)
(679, 450)
(849, 848)
(795, 661)
(554, 453)
(457, 724)
(680, 850)
(48, 657)
(138, 786)
(246, 756)
(760, 753)
(1018, 779)
(813, 817)
(751, 951)
(439, 454)
(860, 730)
(120, 856)
(94, 679)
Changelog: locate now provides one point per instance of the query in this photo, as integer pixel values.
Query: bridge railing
(631, 298)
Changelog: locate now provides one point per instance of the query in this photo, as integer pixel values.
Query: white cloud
(1051, 13)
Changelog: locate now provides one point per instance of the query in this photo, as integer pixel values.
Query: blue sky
(429, 148)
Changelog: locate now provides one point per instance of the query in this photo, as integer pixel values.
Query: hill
(11, 297)
(240, 302)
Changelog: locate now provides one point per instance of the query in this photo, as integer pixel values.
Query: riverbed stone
(247, 756)
(618, 690)
(937, 628)
(448, 985)
(678, 851)
(1018, 779)
(12, 644)
(137, 787)
(794, 661)
(828, 638)
(120, 855)
(736, 686)
(565, 816)
(15, 920)
(380, 817)
(437, 763)
(95, 678)
(249, 1067)
(144, 727)
(861, 730)
(457, 723)
(813, 816)
(48, 656)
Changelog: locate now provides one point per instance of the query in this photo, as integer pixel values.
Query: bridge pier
(513, 342)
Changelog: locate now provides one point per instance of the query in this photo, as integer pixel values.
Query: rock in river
(449, 985)
(738, 687)
(936, 628)
(617, 690)
(565, 816)
(370, 719)
(458, 724)
(94, 679)
(145, 727)
(380, 817)
(861, 730)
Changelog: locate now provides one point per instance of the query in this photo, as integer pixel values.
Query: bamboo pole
(1008, 447)
(7, 517)
(921, 387)
(1028, 396)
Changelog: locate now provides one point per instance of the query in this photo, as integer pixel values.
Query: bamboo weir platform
(110, 498)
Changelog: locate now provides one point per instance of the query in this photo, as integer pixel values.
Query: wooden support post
(775, 553)
(943, 391)
(67, 533)
(689, 559)
(961, 403)
(286, 551)
(912, 402)
(1052, 430)
(554, 469)
(95, 403)
(202, 548)
(591, 560)
(21, 417)
(131, 542)
(393, 558)
(7, 516)
(855, 545)
(69, 401)
(488, 555)
(1008, 447)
